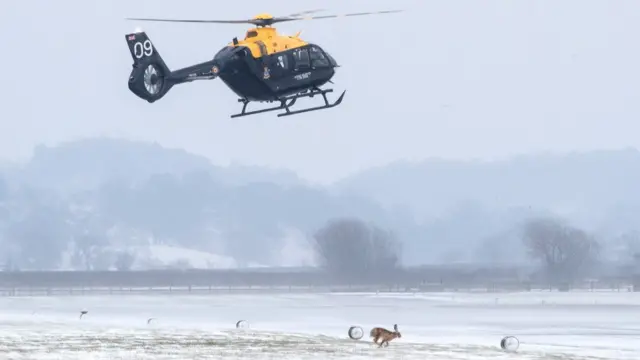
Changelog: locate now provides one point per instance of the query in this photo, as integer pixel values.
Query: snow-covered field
(297, 326)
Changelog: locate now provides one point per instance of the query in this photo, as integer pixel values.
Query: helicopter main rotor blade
(268, 21)
(256, 22)
(195, 21)
(343, 15)
(301, 13)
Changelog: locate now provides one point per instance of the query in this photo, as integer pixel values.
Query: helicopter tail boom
(151, 78)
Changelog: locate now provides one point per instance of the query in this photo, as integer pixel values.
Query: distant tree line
(87, 211)
(85, 201)
(354, 249)
(41, 229)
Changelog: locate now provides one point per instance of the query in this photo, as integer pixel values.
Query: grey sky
(447, 78)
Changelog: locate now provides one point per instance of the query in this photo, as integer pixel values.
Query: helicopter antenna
(263, 20)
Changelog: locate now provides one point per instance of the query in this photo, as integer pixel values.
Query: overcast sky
(453, 79)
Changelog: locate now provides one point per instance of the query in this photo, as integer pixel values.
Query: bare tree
(41, 236)
(386, 248)
(631, 243)
(352, 248)
(565, 251)
(103, 260)
(88, 250)
(124, 261)
(4, 189)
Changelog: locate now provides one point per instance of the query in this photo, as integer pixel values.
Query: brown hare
(378, 333)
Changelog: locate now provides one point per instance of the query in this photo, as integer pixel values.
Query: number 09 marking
(141, 49)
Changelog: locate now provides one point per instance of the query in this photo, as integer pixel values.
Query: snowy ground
(558, 326)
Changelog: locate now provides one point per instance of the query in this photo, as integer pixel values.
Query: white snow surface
(444, 326)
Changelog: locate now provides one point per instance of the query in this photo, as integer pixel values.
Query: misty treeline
(564, 253)
(103, 204)
(99, 204)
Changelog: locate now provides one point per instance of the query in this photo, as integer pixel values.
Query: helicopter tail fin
(148, 79)
(143, 51)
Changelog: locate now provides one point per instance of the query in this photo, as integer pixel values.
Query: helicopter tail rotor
(148, 78)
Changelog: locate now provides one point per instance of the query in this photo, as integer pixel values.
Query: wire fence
(57, 283)
(20, 291)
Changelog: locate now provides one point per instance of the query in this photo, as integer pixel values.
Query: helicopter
(265, 66)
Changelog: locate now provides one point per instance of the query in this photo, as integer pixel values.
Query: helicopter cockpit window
(301, 58)
(251, 34)
(317, 58)
(282, 62)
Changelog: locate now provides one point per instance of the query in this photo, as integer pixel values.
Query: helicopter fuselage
(269, 67)
(262, 68)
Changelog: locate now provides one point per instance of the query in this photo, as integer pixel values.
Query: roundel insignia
(215, 69)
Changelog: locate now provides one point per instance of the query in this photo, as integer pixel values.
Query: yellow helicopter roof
(263, 41)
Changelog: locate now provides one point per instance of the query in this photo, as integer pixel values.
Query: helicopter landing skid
(312, 93)
(287, 102)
